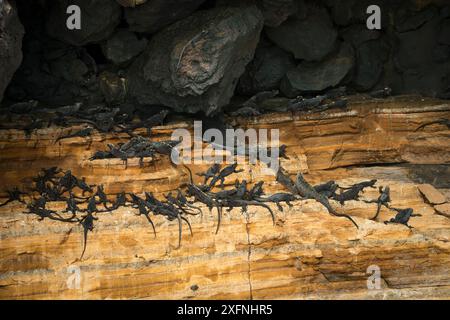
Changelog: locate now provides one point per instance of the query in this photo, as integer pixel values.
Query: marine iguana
(383, 200)
(444, 122)
(210, 173)
(307, 191)
(225, 172)
(403, 216)
(13, 195)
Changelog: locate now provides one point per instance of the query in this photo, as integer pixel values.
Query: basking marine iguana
(88, 225)
(383, 200)
(167, 210)
(284, 179)
(210, 173)
(279, 197)
(13, 195)
(142, 205)
(83, 133)
(444, 122)
(403, 216)
(352, 192)
(328, 189)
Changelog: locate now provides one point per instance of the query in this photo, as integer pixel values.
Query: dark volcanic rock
(131, 3)
(314, 77)
(123, 46)
(99, 18)
(11, 34)
(310, 39)
(416, 60)
(444, 32)
(370, 58)
(266, 70)
(156, 14)
(441, 54)
(357, 34)
(113, 87)
(54, 73)
(342, 12)
(275, 12)
(346, 12)
(416, 20)
(195, 63)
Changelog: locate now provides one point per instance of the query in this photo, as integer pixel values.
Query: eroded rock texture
(266, 70)
(277, 11)
(11, 33)
(123, 46)
(310, 38)
(195, 63)
(306, 254)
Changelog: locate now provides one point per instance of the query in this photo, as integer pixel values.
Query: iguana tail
(85, 242)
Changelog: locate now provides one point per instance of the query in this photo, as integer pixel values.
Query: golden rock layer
(307, 253)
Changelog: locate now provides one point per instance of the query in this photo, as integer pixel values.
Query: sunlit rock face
(99, 18)
(11, 33)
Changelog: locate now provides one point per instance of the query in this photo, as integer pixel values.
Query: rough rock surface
(432, 195)
(444, 32)
(357, 34)
(275, 12)
(415, 61)
(11, 33)
(313, 76)
(131, 3)
(54, 73)
(123, 46)
(195, 63)
(307, 254)
(416, 20)
(153, 15)
(310, 39)
(266, 70)
(99, 18)
(370, 132)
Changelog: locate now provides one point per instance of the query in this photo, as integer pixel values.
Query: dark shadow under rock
(157, 14)
(11, 34)
(421, 71)
(370, 59)
(315, 77)
(266, 70)
(310, 39)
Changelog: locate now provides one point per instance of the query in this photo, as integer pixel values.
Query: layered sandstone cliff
(306, 254)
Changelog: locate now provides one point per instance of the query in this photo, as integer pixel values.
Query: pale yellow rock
(430, 193)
